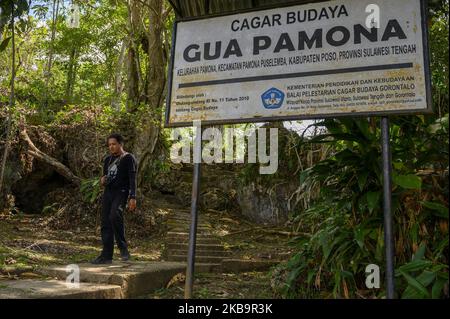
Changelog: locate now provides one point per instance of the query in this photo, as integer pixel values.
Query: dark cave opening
(31, 191)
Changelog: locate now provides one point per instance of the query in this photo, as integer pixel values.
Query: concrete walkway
(117, 280)
(56, 289)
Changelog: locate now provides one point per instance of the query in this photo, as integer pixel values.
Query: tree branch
(41, 156)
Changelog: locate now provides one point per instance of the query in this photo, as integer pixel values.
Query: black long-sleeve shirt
(121, 173)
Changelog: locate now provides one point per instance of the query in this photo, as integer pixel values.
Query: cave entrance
(31, 191)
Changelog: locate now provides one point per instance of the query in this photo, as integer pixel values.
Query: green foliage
(10, 8)
(90, 189)
(82, 57)
(346, 220)
(424, 278)
(50, 209)
(4, 44)
(410, 181)
(438, 30)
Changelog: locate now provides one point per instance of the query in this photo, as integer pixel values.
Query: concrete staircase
(209, 249)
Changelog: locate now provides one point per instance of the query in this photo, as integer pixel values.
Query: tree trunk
(118, 83)
(50, 54)
(146, 136)
(71, 74)
(11, 106)
(132, 57)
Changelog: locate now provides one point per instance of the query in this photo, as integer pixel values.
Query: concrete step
(200, 259)
(239, 265)
(188, 224)
(182, 216)
(57, 289)
(186, 221)
(183, 246)
(181, 212)
(181, 221)
(200, 231)
(186, 235)
(186, 218)
(218, 253)
(184, 238)
(134, 278)
(181, 240)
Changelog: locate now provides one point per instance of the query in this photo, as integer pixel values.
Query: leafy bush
(90, 189)
(346, 221)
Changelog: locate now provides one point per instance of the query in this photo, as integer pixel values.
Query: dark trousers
(114, 203)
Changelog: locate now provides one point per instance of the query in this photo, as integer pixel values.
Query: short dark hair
(116, 136)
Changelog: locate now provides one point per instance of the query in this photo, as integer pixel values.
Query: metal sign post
(194, 213)
(387, 206)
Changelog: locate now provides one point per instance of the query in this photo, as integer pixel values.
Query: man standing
(119, 180)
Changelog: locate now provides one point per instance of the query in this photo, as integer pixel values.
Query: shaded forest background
(63, 89)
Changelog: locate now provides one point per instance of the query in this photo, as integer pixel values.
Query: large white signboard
(332, 58)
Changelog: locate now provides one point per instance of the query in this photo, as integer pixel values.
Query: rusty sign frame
(427, 74)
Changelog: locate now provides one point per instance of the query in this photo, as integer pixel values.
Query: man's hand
(103, 180)
(132, 204)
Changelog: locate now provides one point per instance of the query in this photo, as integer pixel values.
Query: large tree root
(41, 156)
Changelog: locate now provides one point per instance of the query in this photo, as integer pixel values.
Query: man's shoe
(100, 260)
(124, 255)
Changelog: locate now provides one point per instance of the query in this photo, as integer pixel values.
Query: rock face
(264, 205)
(221, 188)
(264, 198)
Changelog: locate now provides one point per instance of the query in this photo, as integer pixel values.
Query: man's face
(114, 146)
